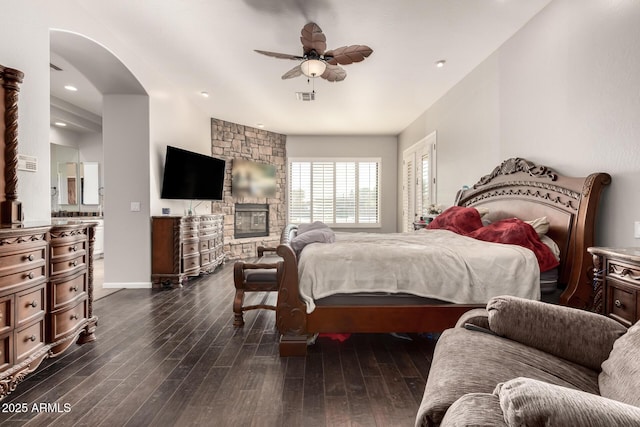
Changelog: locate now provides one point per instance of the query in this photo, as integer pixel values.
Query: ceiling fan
(316, 61)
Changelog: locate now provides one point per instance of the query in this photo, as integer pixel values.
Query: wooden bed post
(291, 315)
(579, 292)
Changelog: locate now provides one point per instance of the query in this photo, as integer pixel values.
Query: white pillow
(551, 245)
(541, 225)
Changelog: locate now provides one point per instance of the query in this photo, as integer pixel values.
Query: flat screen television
(192, 176)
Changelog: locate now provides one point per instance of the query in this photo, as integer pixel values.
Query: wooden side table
(617, 283)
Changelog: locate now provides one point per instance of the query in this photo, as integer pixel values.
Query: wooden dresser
(46, 293)
(617, 283)
(184, 246)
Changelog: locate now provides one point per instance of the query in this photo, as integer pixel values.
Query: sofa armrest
(474, 409)
(477, 316)
(576, 335)
(525, 401)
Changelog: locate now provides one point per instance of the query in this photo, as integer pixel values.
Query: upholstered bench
(259, 276)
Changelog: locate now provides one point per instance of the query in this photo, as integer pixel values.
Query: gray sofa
(528, 363)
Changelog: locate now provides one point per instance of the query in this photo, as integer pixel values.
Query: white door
(418, 180)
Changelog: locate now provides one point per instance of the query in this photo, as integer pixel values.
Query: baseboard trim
(127, 285)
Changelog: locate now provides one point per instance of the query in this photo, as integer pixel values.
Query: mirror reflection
(75, 185)
(67, 183)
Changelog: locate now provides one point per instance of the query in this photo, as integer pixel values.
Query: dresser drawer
(205, 258)
(6, 314)
(69, 248)
(65, 266)
(6, 351)
(204, 245)
(190, 248)
(26, 277)
(29, 339)
(68, 290)
(30, 304)
(67, 320)
(23, 260)
(621, 302)
(623, 271)
(191, 263)
(189, 232)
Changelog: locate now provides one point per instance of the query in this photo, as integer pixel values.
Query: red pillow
(458, 219)
(517, 232)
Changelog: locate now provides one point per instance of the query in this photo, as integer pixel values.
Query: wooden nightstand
(617, 283)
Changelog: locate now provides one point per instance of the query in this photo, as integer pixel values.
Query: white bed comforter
(429, 263)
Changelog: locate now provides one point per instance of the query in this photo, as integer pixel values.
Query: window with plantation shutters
(338, 192)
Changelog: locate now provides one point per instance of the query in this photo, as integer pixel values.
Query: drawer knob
(74, 289)
(32, 338)
(74, 317)
(33, 303)
(74, 248)
(31, 257)
(74, 262)
(617, 303)
(30, 275)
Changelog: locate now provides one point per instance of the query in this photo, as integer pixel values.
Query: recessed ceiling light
(61, 124)
(441, 63)
(204, 94)
(71, 88)
(260, 125)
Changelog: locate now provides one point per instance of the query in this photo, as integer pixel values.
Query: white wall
(384, 147)
(563, 92)
(127, 241)
(175, 122)
(24, 44)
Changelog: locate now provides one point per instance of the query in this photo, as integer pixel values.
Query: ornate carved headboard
(10, 207)
(519, 188)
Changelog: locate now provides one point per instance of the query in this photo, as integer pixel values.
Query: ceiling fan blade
(334, 73)
(348, 54)
(279, 55)
(294, 72)
(312, 38)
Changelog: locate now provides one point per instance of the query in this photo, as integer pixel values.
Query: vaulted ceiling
(208, 46)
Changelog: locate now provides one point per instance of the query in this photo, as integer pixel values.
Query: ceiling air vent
(306, 96)
(54, 67)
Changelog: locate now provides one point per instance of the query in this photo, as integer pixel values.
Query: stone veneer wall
(233, 141)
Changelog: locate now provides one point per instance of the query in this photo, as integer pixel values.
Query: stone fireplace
(251, 220)
(231, 141)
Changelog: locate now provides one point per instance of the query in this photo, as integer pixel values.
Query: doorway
(418, 180)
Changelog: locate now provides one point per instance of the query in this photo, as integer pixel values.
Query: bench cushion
(260, 275)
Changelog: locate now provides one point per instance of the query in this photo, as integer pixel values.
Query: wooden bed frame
(516, 188)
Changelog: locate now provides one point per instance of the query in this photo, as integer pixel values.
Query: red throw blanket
(512, 231)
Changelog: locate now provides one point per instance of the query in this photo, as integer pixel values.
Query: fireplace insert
(251, 220)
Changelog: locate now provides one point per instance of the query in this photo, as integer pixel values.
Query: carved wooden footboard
(516, 188)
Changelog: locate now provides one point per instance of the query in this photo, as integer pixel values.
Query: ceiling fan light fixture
(313, 67)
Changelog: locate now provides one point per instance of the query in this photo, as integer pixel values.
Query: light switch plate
(135, 206)
(636, 229)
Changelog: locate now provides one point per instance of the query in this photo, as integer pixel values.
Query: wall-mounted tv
(192, 176)
(253, 179)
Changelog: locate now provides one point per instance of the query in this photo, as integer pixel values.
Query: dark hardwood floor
(173, 358)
